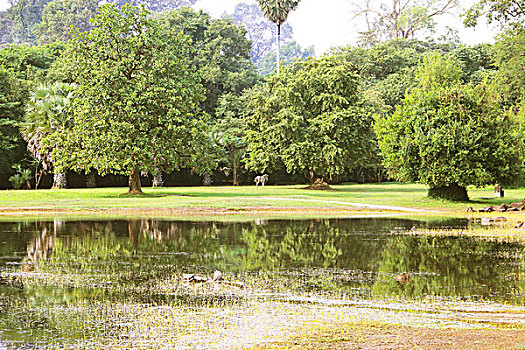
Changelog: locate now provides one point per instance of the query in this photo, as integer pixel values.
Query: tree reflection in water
(353, 256)
(87, 270)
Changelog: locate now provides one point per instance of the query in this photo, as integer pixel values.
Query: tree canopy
(289, 52)
(310, 119)
(450, 135)
(137, 98)
(507, 12)
(59, 15)
(222, 55)
(403, 19)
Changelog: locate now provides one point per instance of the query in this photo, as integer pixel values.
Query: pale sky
(327, 23)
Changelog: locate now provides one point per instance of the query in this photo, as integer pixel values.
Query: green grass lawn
(392, 194)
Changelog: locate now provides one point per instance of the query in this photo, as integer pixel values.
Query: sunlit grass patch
(370, 335)
(290, 198)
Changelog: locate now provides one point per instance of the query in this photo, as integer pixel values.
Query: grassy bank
(247, 198)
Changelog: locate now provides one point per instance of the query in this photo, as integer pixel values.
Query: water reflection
(41, 247)
(353, 255)
(140, 261)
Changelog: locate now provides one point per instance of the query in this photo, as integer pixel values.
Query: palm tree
(277, 12)
(46, 112)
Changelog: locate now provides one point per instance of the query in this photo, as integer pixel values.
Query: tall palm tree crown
(277, 12)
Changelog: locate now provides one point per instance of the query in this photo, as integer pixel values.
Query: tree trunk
(91, 181)
(235, 177)
(452, 192)
(158, 181)
(134, 182)
(59, 180)
(278, 48)
(38, 177)
(312, 175)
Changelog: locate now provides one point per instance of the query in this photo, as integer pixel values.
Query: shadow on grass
(144, 195)
(384, 187)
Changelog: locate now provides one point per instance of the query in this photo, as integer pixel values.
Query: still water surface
(108, 283)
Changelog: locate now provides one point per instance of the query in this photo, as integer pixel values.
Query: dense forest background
(235, 58)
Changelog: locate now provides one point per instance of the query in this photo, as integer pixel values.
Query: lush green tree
(290, 51)
(46, 113)
(229, 132)
(11, 111)
(222, 55)
(277, 12)
(388, 71)
(260, 31)
(403, 19)
(476, 62)
(21, 67)
(449, 135)
(311, 119)
(137, 101)
(510, 61)
(20, 20)
(59, 15)
(30, 63)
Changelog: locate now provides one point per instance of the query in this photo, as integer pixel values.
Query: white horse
(261, 179)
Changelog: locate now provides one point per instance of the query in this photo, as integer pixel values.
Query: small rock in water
(217, 276)
(486, 209)
(190, 277)
(402, 278)
(487, 221)
(28, 268)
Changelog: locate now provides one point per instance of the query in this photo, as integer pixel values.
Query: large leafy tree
(229, 133)
(311, 119)
(449, 135)
(277, 11)
(46, 113)
(59, 15)
(137, 100)
(223, 54)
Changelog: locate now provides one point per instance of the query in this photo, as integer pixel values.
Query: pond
(135, 283)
